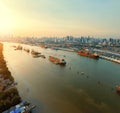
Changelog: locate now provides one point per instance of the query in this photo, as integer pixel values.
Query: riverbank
(64, 89)
(9, 95)
(110, 59)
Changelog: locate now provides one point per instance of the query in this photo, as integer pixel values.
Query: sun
(7, 21)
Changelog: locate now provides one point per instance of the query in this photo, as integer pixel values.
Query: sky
(98, 18)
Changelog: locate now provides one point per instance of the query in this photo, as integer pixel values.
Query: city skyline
(60, 18)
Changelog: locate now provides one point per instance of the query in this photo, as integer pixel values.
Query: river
(84, 85)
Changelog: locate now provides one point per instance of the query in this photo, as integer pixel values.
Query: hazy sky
(60, 17)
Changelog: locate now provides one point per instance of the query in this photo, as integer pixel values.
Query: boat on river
(38, 55)
(43, 46)
(35, 52)
(57, 60)
(27, 50)
(42, 56)
(19, 47)
(88, 54)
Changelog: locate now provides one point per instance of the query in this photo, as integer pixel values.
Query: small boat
(35, 52)
(19, 47)
(43, 46)
(27, 50)
(36, 56)
(57, 60)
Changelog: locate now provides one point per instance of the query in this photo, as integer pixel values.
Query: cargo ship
(88, 54)
(57, 60)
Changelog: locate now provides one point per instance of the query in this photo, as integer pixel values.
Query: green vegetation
(3, 69)
(9, 97)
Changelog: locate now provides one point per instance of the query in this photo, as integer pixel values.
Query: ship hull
(56, 60)
(86, 54)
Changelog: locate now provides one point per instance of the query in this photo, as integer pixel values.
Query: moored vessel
(27, 50)
(43, 46)
(19, 47)
(35, 52)
(88, 54)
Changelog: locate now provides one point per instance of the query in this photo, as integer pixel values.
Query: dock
(110, 59)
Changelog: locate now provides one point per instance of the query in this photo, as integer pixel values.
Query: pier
(107, 55)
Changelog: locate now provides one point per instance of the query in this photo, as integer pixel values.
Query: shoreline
(9, 95)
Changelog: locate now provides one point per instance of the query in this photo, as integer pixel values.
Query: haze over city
(59, 56)
(60, 18)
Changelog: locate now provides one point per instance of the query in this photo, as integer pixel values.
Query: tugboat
(36, 56)
(88, 54)
(35, 52)
(57, 60)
